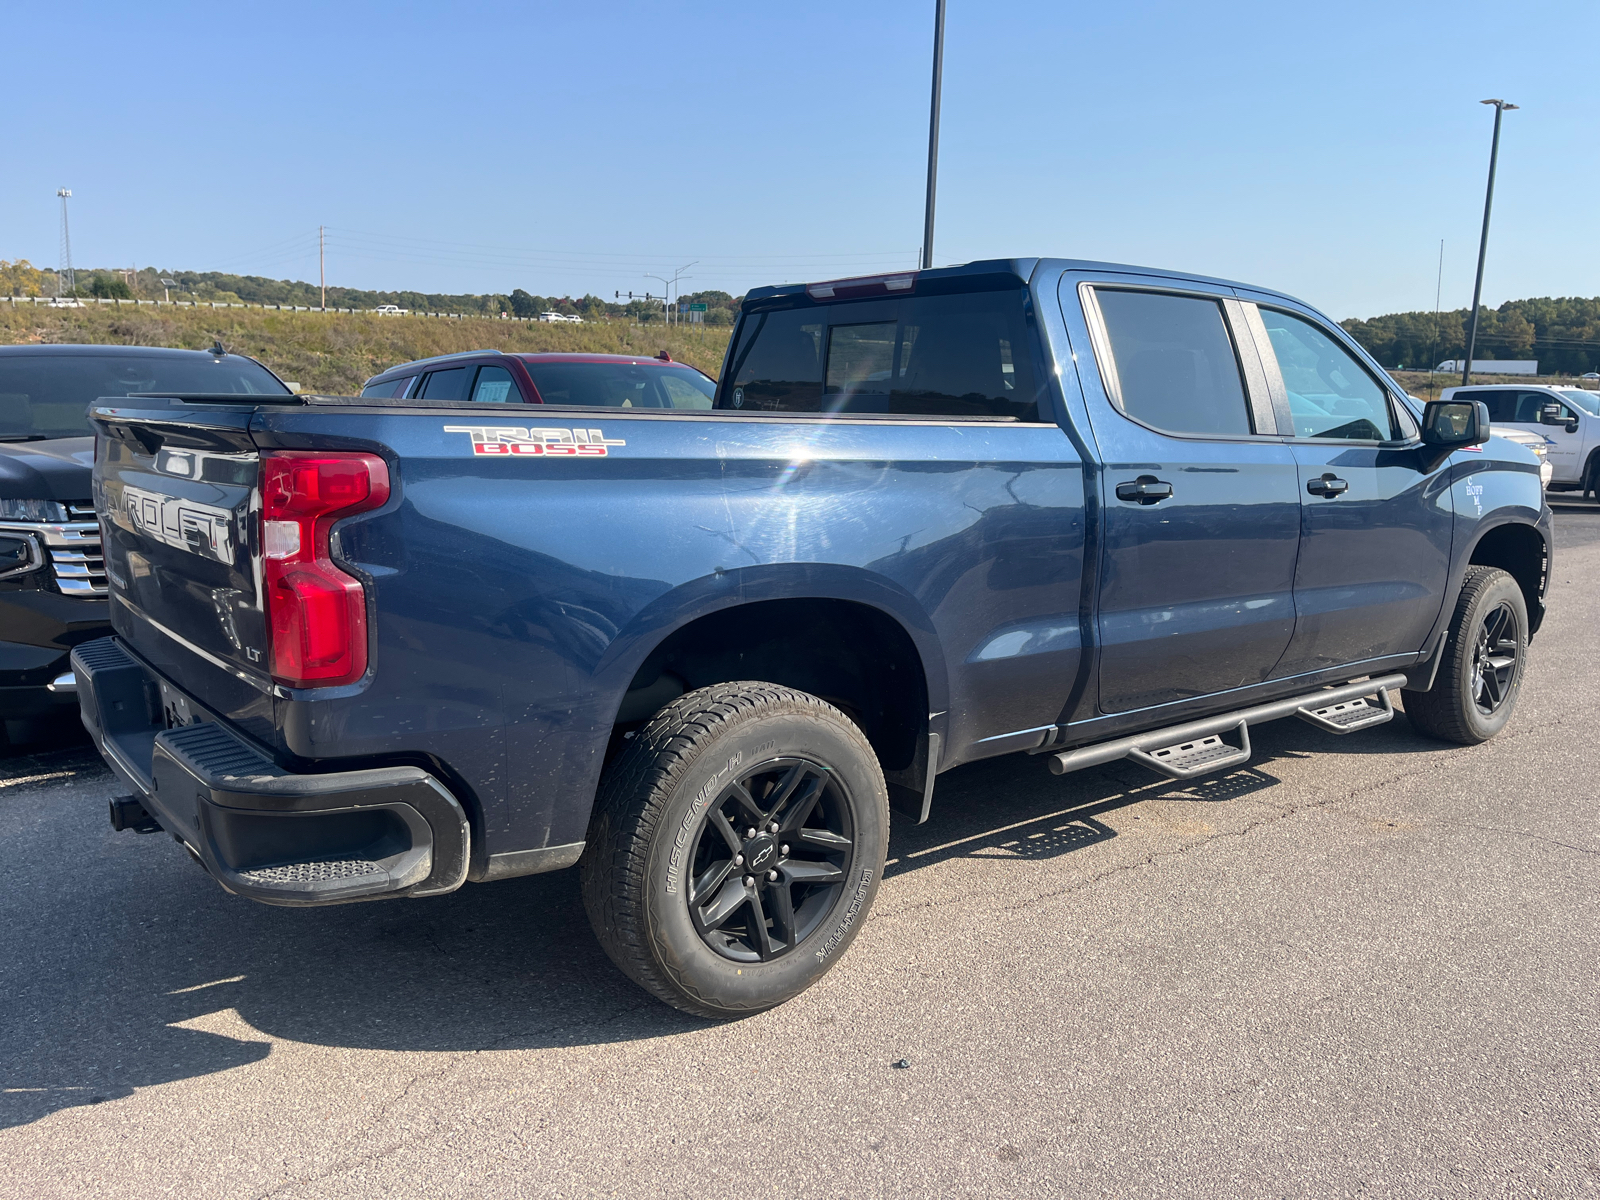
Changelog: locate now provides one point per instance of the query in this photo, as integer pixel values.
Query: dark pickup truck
(52, 584)
(371, 648)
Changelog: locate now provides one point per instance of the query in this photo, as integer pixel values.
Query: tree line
(1563, 334)
(21, 278)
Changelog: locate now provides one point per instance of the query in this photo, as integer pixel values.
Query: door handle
(1329, 485)
(1146, 489)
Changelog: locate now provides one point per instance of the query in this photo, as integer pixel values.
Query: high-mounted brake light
(316, 614)
(862, 285)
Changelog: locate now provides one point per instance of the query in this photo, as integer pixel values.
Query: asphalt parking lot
(1367, 965)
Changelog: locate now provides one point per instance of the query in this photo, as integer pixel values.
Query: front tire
(735, 848)
(1480, 678)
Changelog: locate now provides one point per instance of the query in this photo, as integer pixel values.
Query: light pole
(669, 284)
(933, 133)
(1500, 107)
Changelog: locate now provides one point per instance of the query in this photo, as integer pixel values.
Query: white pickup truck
(1569, 416)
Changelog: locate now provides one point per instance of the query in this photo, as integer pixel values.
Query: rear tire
(1485, 651)
(735, 848)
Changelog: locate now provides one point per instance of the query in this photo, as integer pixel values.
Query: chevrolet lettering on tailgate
(203, 529)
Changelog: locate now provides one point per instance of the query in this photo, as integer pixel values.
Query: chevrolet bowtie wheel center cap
(760, 853)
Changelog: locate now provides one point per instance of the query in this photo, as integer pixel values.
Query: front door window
(1330, 394)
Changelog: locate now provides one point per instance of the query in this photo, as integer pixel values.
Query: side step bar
(1197, 748)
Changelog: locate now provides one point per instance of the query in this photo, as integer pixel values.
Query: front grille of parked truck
(71, 550)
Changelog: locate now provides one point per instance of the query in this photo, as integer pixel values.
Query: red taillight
(316, 614)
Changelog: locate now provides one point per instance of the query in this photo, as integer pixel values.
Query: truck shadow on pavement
(1014, 808)
(122, 966)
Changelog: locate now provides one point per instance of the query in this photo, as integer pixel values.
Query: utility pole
(1500, 107)
(933, 133)
(65, 275)
(322, 264)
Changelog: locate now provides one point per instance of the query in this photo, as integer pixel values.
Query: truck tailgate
(177, 492)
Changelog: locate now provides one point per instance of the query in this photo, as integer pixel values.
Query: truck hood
(59, 469)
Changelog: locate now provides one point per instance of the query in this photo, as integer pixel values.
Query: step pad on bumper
(299, 839)
(315, 872)
(271, 834)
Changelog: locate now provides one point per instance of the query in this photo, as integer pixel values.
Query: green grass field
(334, 353)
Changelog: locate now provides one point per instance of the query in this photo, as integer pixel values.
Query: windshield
(1588, 401)
(48, 396)
(621, 385)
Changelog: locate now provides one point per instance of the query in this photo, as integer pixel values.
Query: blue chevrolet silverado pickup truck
(371, 648)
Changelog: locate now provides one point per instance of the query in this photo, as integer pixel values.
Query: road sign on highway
(697, 308)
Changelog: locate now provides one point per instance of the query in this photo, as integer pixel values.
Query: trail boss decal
(551, 443)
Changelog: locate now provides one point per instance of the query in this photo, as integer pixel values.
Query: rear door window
(1331, 395)
(960, 355)
(494, 385)
(1173, 365)
(445, 385)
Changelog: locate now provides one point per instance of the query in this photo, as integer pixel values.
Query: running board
(1195, 747)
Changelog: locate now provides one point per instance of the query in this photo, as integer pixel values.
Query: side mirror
(1555, 414)
(1455, 424)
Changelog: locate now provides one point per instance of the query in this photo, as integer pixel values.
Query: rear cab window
(966, 354)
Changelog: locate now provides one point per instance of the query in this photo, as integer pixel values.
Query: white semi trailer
(1494, 366)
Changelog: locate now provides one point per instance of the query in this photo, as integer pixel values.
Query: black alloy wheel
(770, 858)
(1480, 664)
(1496, 659)
(735, 847)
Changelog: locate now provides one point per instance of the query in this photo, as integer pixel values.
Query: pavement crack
(1522, 833)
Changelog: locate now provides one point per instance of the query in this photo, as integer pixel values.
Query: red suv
(596, 380)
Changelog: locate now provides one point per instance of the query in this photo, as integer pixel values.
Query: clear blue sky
(1323, 149)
